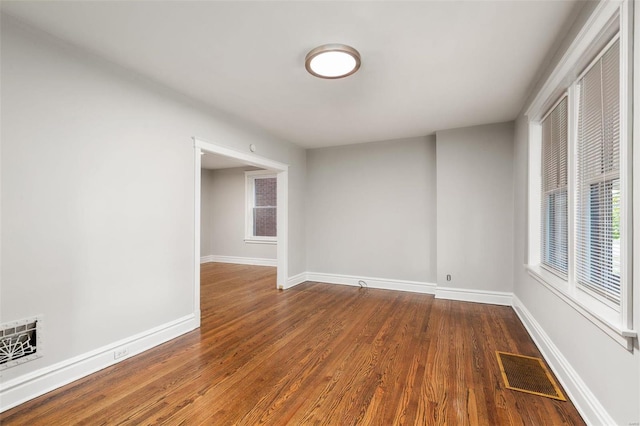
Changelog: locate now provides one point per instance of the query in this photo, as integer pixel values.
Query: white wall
(97, 195)
(475, 207)
(371, 210)
(223, 216)
(602, 366)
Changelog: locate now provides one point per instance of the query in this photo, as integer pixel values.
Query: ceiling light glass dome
(332, 61)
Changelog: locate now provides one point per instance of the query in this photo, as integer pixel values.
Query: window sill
(272, 241)
(605, 318)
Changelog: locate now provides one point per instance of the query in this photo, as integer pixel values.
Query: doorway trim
(282, 174)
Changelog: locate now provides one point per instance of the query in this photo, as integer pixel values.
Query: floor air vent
(20, 342)
(528, 374)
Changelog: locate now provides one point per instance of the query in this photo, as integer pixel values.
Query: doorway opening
(281, 172)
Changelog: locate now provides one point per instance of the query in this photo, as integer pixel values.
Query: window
(580, 237)
(554, 189)
(261, 207)
(598, 177)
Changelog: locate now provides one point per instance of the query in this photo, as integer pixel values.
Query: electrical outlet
(120, 352)
(448, 277)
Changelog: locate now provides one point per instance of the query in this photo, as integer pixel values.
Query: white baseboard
(585, 401)
(28, 386)
(256, 261)
(379, 283)
(478, 296)
(296, 279)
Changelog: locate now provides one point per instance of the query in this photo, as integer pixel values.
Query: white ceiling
(426, 66)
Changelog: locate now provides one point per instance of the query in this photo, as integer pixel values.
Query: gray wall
(223, 216)
(97, 195)
(371, 210)
(206, 203)
(475, 207)
(97, 209)
(608, 370)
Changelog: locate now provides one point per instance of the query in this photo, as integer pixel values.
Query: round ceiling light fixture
(332, 61)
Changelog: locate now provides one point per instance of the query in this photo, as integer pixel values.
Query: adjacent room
(322, 212)
(238, 212)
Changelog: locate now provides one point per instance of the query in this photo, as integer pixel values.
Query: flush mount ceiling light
(332, 61)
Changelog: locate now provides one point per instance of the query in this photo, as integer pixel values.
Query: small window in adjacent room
(261, 206)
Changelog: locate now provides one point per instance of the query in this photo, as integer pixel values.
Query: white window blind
(554, 189)
(598, 177)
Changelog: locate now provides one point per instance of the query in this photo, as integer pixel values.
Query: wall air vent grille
(20, 342)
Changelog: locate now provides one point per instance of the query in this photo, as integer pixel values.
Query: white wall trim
(282, 171)
(478, 296)
(296, 279)
(197, 192)
(591, 410)
(245, 157)
(31, 385)
(379, 283)
(256, 261)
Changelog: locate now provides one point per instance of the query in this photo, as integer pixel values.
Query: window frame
(603, 177)
(250, 178)
(609, 21)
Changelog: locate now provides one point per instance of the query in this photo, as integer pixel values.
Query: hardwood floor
(314, 354)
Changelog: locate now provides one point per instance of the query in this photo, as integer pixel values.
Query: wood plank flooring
(314, 354)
